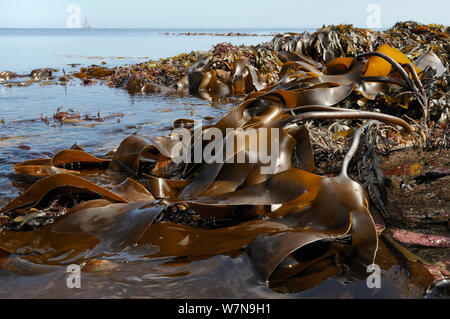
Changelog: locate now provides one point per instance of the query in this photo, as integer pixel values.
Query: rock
(419, 193)
(420, 239)
(42, 74)
(98, 265)
(134, 83)
(440, 289)
(6, 75)
(99, 72)
(423, 204)
(155, 88)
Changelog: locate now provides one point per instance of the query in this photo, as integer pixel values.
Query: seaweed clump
(327, 43)
(168, 74)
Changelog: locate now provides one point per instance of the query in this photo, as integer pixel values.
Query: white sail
(86, 24)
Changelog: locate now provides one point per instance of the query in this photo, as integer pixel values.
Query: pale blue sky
(219, 14)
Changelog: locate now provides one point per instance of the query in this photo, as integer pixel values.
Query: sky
(221, 14)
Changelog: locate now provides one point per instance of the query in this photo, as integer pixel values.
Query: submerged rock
(6, 75)
(439, 290)
(42, 74)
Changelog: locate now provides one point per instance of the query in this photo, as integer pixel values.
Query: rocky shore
(339, 68)
(414, 203)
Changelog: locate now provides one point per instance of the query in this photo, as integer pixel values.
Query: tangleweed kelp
(337, 41)
(340, 65)
(260, 196)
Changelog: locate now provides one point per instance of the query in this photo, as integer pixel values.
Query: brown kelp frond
(382, 70)
(65, 161)
(39, 189)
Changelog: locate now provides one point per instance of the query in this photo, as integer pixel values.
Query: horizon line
(235, 28)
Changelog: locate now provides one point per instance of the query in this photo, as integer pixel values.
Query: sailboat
(86, 24)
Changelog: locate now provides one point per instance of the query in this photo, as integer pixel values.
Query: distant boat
(86, 24)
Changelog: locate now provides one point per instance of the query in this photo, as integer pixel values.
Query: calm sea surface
(24, 136)
(26, 49)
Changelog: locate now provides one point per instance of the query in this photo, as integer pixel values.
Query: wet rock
(432, 174)
(6, 75)
(439, 290)
(420, 239)
(42, 74)
(48, 83)
(89, 81)
(98, 265)
(380, 225)
(134, 83)
(99, 72)
(439, 270)
(20, 84)
(424, 204)
(24, 147)
(184, 215)
(64, 78)
(418, 197)
(155, 88)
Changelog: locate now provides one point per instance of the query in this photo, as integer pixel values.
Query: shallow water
(21, 107)
(150, 115)
(215, 277)
(27, 49)
(24, 135)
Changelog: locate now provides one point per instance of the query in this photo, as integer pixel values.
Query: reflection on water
(214, 277)
(23, 135)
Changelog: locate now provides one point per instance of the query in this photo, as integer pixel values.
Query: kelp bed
(342, 101)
